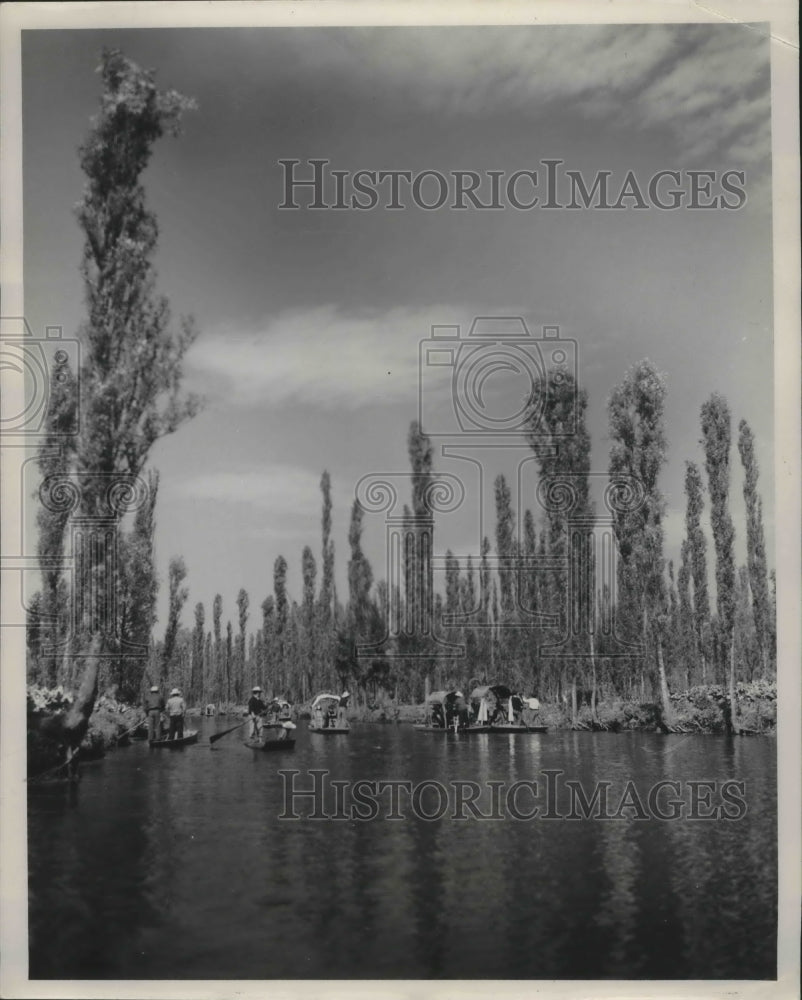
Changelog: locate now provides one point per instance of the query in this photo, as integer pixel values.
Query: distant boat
(445, 713)
(497, 709)
(328, 718)
(190, 736)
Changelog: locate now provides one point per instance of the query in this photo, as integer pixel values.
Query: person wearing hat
(153, 706)
(175, 713)
(343, 706)
(256, 709)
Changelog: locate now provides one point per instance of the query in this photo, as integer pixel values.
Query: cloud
(285, 496)
(320, 357)
(707, 84)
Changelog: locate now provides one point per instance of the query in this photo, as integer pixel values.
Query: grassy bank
(700, 710)
(110, 722)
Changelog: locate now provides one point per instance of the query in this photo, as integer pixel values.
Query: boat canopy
(443, 697)
(437, 698)
(325, 697)
(497, 690)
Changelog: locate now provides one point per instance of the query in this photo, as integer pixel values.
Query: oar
(52, 770)
(218, 736)
(131, 730)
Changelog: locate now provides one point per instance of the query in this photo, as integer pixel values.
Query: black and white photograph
(400, 495)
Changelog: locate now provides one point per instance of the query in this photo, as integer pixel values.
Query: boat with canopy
(496, 708)
(328, 715)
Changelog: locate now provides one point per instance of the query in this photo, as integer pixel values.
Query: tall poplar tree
(240, 679)
(198, 645)
(132, 359)
(309, 669)
(217, 614)
(565, 458)
(326, 599)
(697, 543)
(507, 571)
(638, 451)
(282, 610)
(178, 595)
(755, 545)
(716, 440)
(688, 648)
(54, 460)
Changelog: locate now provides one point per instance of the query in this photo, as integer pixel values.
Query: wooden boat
(338, 725)
(499, 703)
(512, 727)
(442, 706)
(272, 741)
(190, 736)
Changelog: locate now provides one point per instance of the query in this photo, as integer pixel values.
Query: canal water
(178, 864)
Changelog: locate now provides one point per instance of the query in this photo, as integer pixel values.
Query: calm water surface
(176, 865)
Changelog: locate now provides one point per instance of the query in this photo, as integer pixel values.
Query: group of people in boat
(491, 705)
(274, 713)
(330, 712)
(165, 719)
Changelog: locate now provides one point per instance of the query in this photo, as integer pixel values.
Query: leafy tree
(565, 459)
(326, 600)
(229, 659)
(485, 642)
(635, 410)
(198, 645)
(54, 460)
(686, 630)
(716, 439)
(507, 572)
(755, 545)
(132, 369)
(280, 592)
(242, 610)
(132, 360)
(268, 635)
(178, 596)
(217, 614)
(698, 549)
(309, 570)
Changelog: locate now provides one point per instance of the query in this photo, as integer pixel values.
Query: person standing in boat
(342, 707)
(176, 710)
(256, 709)
(153, 706)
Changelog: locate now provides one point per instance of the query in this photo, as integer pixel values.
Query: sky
(310, 321)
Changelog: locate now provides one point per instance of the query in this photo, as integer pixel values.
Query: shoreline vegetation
(701, 710)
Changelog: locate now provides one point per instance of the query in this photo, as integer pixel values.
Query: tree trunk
(573, 701)
(593, 713)
(733, 700)
(665, 698)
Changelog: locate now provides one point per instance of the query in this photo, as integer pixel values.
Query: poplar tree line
(301, 647)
